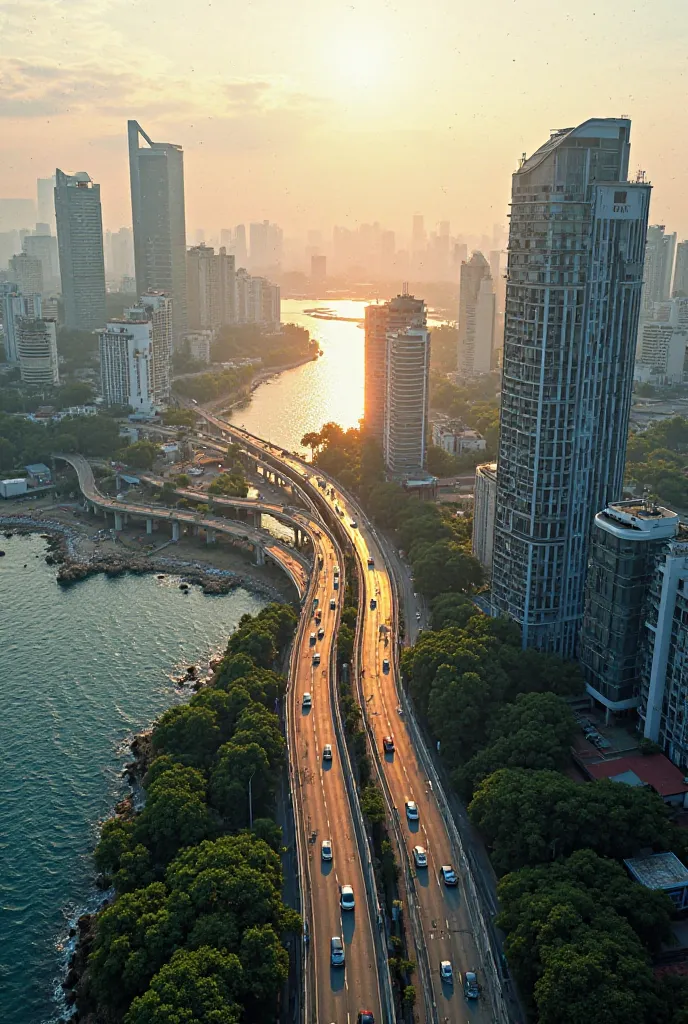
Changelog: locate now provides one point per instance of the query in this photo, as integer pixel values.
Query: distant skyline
(334, 113)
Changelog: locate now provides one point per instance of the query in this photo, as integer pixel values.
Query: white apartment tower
(380, 320)
(574, 281)
(135, 356)
(659, 265)
(37, 352)
(476, 317)
(484, 506)
(15, 305)
(407, 401)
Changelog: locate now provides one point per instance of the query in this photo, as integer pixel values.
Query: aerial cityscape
(344, 513)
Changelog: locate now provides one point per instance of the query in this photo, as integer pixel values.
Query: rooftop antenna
(640, 177)
(522, 161)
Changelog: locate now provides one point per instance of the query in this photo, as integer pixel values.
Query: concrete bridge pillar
(260, 554)
(175, 531)
(210, 536)
(149, 525)
(196, 530)
(118, 522)
(118, 482)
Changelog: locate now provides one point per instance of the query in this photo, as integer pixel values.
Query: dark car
(388, 744)
(365, 1017)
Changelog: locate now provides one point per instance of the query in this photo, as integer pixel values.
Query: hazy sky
(313, 112)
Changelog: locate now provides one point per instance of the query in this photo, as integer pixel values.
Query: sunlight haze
(323, 112)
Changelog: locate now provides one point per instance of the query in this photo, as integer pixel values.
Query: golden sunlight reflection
(358, 63)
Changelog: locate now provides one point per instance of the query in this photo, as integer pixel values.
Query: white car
(346, 897)
(307, 701)
(420, 856)
(326, 849)
(449, 875)
(412, 810)
(446, 973)
(327, 752)
(316, 658)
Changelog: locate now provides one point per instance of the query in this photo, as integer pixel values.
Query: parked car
(420, 856)
(411, 810)
(346, 897)
(449, 875)
(326, 849)
(446, 973)
(388, 744)
(336, 951)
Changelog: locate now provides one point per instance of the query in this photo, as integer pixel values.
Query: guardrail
(384, 978)
(423, 961)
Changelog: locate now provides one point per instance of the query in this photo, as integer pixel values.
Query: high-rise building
(476, 317)
(266, 242)
(37, 351)
(400, 312)
(680, 287)
(659, 265)
(135, 356)
(158, 217)
(15, 305)
(626, 538)
(43, 247)
(484, 504)
(318, 270)
(80, 245)
(119, 256)
(576, 249)
(407, 401)
(661, 353)
(664, 667)
(211, 288)
(45, 194)
(27, 271)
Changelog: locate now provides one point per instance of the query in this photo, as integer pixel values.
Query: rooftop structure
(664, 872)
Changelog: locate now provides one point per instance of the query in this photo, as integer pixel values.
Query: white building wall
(37, 351)
(484, 503)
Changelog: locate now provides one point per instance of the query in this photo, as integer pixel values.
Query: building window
(620, 197)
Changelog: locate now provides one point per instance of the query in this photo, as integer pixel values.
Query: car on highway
(316, 658)
(371, 562)
(353, 524)
(336, 951)
(318, 617)
(388, 744)
(312, 639)
(446, 972)
(449, 876)
(335, 583)
(365, 1017)
(346, 897)
(333, 604)
(418, 616)
(373, 604)
(327, 752)
(420, 856)
(471, 988)
(385, 664)
(321, 634)
(412, 810)
(307, 700)
(326, 849)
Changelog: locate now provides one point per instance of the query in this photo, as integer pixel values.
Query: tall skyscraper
(80, 246)
(400, 312)
(37, 351)
(45, 193)
(680, 287)
(159, 221)
(27, 272)
(211, 288)
(407, 402)
(575, 267)
(659, 265)
(476, 317)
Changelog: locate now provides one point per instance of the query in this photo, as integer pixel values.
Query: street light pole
(250, 801)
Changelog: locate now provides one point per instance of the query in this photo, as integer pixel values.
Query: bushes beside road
(195, 931)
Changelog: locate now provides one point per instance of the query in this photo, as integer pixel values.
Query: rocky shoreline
(73, 569)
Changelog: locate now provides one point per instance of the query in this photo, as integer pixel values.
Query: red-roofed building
(654, 770)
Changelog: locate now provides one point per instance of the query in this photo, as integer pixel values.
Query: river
(330, 388)
(83, 668)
